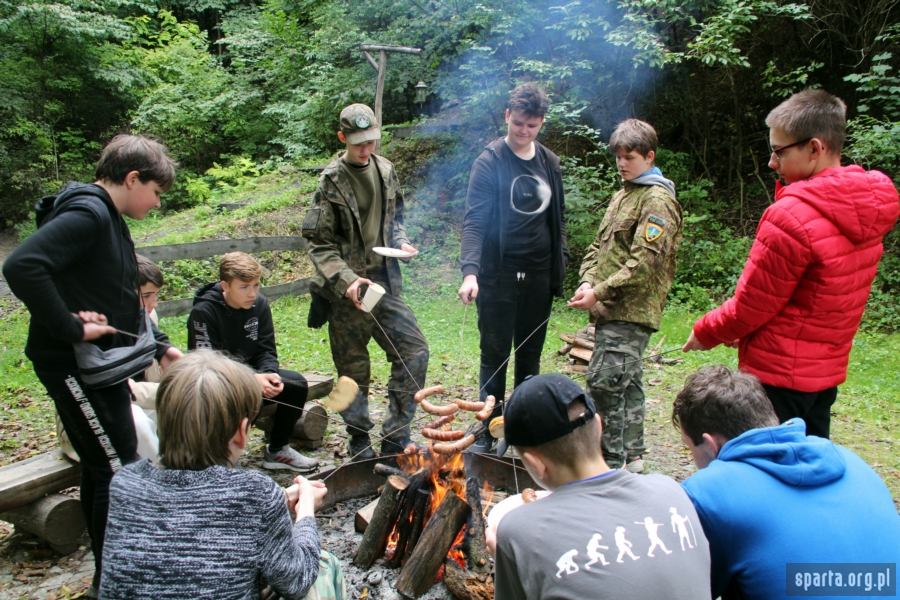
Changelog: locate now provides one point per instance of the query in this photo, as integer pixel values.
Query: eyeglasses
(777, 151)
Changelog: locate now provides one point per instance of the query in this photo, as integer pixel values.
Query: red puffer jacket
(801, 296)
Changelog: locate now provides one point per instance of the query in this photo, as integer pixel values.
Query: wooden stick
(437, 538)
(380, 527)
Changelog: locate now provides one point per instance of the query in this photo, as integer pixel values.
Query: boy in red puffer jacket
(803, 290)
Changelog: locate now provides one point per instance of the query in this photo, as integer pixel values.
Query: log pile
(579, 347)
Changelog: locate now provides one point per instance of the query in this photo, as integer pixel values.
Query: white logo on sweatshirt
(252, 328)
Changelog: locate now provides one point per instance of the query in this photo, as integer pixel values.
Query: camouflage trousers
(614, 383)
(350, 330)
(330, 583)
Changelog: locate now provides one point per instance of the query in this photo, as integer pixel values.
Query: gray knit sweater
(203, 534)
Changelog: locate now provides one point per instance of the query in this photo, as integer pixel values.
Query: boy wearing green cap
(358, 206)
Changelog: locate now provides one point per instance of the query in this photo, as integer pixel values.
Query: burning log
(421, 500)
(405, 522)
(476, 551)
(436, 540)
(382, 523)
(465, 584)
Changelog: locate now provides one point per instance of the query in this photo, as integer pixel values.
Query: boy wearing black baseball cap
(602, 533)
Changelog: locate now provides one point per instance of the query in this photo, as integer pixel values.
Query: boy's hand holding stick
(271, 384)
(95, 325)
(305, 497)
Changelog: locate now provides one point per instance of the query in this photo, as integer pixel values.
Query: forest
(241, 88)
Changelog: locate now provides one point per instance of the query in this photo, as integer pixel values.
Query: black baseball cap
(537, 411)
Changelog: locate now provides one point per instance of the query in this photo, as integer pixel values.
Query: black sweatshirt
(245, 333)
(82, 259)
(486, 222)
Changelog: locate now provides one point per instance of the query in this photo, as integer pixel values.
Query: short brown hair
(812, 114)
(127, 153)
(634, 135)
(200, 404)
(238, 265)
(573, 449)
(716, 399)
(148, 272)
(529, 99)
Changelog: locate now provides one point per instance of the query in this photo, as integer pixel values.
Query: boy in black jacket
(231, 316)
(77, 274)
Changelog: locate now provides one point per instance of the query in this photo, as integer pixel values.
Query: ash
(338, 534)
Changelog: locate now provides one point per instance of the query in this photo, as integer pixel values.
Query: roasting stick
(462, 335)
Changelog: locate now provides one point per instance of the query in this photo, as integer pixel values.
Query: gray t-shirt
(617, 536)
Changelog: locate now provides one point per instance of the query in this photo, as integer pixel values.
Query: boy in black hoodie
(77, 274)
(231, 316)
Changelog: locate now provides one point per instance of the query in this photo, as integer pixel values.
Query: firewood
(577, 341)
(56, 519)
(421, 498)
(380, 526)
(466, 585)
(575, 369)
(405, 523)
(565, 349)
(437, 537)
(387, 470)
(476, 550)
(581, 354)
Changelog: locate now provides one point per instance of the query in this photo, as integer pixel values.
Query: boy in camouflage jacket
(626, 275)
(357, 206)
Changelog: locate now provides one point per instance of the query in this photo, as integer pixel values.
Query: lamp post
(421, 94)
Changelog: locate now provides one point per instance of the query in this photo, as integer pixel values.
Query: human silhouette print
(623, 545)
(678, 526)
(652, 529)
(592, 548)
(566, 563)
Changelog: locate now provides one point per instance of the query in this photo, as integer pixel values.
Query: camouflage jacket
(333, 228)
(631, 264)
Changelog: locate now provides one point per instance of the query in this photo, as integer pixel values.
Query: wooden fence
(208, 248)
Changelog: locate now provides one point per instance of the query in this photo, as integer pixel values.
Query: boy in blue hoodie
(769, 496)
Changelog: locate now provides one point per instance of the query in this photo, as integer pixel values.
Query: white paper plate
(392, 252)
(512, 502)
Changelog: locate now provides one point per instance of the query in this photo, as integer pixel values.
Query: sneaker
(484, 444)
(288, 458)
(361, 447)
(635, 466)
(390, 447)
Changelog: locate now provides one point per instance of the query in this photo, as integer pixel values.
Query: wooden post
(381, 67)
(380, 527)
(426, 559)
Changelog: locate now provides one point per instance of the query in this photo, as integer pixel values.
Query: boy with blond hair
(801, 296)
(199, 528)
(231, 315)
(77, 275)
(625, 278)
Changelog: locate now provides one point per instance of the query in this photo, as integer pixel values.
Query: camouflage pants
(350, 330)
(614, 383)
(330, 583)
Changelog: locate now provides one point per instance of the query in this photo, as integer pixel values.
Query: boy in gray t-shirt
(602, 533)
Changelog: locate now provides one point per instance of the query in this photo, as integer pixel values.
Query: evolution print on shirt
(681, 525)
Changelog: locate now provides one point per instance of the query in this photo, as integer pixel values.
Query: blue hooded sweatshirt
(775, 496)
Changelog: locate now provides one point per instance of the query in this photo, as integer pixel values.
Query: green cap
(359, 125)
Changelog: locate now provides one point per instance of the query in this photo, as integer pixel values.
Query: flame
(391, 547)
(487, 494)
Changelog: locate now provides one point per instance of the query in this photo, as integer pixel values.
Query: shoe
(361, 448)
(484, 444)
(92, 592)
(390, 447)
(288, 458)
(635, 466)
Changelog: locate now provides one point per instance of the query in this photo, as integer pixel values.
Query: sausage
(443, 411)
(466, 405)
(485, 413)
(443, 436)
(454, 447)
(429, 391)
(438, 423)
(529, 495)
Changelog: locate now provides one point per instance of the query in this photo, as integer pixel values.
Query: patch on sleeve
(311, 222)
(656, 226)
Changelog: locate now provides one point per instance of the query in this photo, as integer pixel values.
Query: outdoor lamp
(421, 92)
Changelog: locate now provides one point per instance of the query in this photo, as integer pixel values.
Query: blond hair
(200, 404)
(634, 135)
(238, 265)
(812, 114)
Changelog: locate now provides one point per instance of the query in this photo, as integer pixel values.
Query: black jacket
(487, 216)
(80, 259)
(245, 333)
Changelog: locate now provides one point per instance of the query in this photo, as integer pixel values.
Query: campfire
(429, 518)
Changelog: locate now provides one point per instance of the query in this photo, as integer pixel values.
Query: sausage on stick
(443, 436)
(429, 391)
(441, 411)
(454, 447)
(466, 405)
(485, 413)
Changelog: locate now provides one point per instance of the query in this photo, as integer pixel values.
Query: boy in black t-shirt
(231, 316)
(513, 247)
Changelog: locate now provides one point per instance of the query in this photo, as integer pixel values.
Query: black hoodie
(245, 333)
(81, 259)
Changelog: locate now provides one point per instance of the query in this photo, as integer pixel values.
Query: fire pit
(427, 524)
